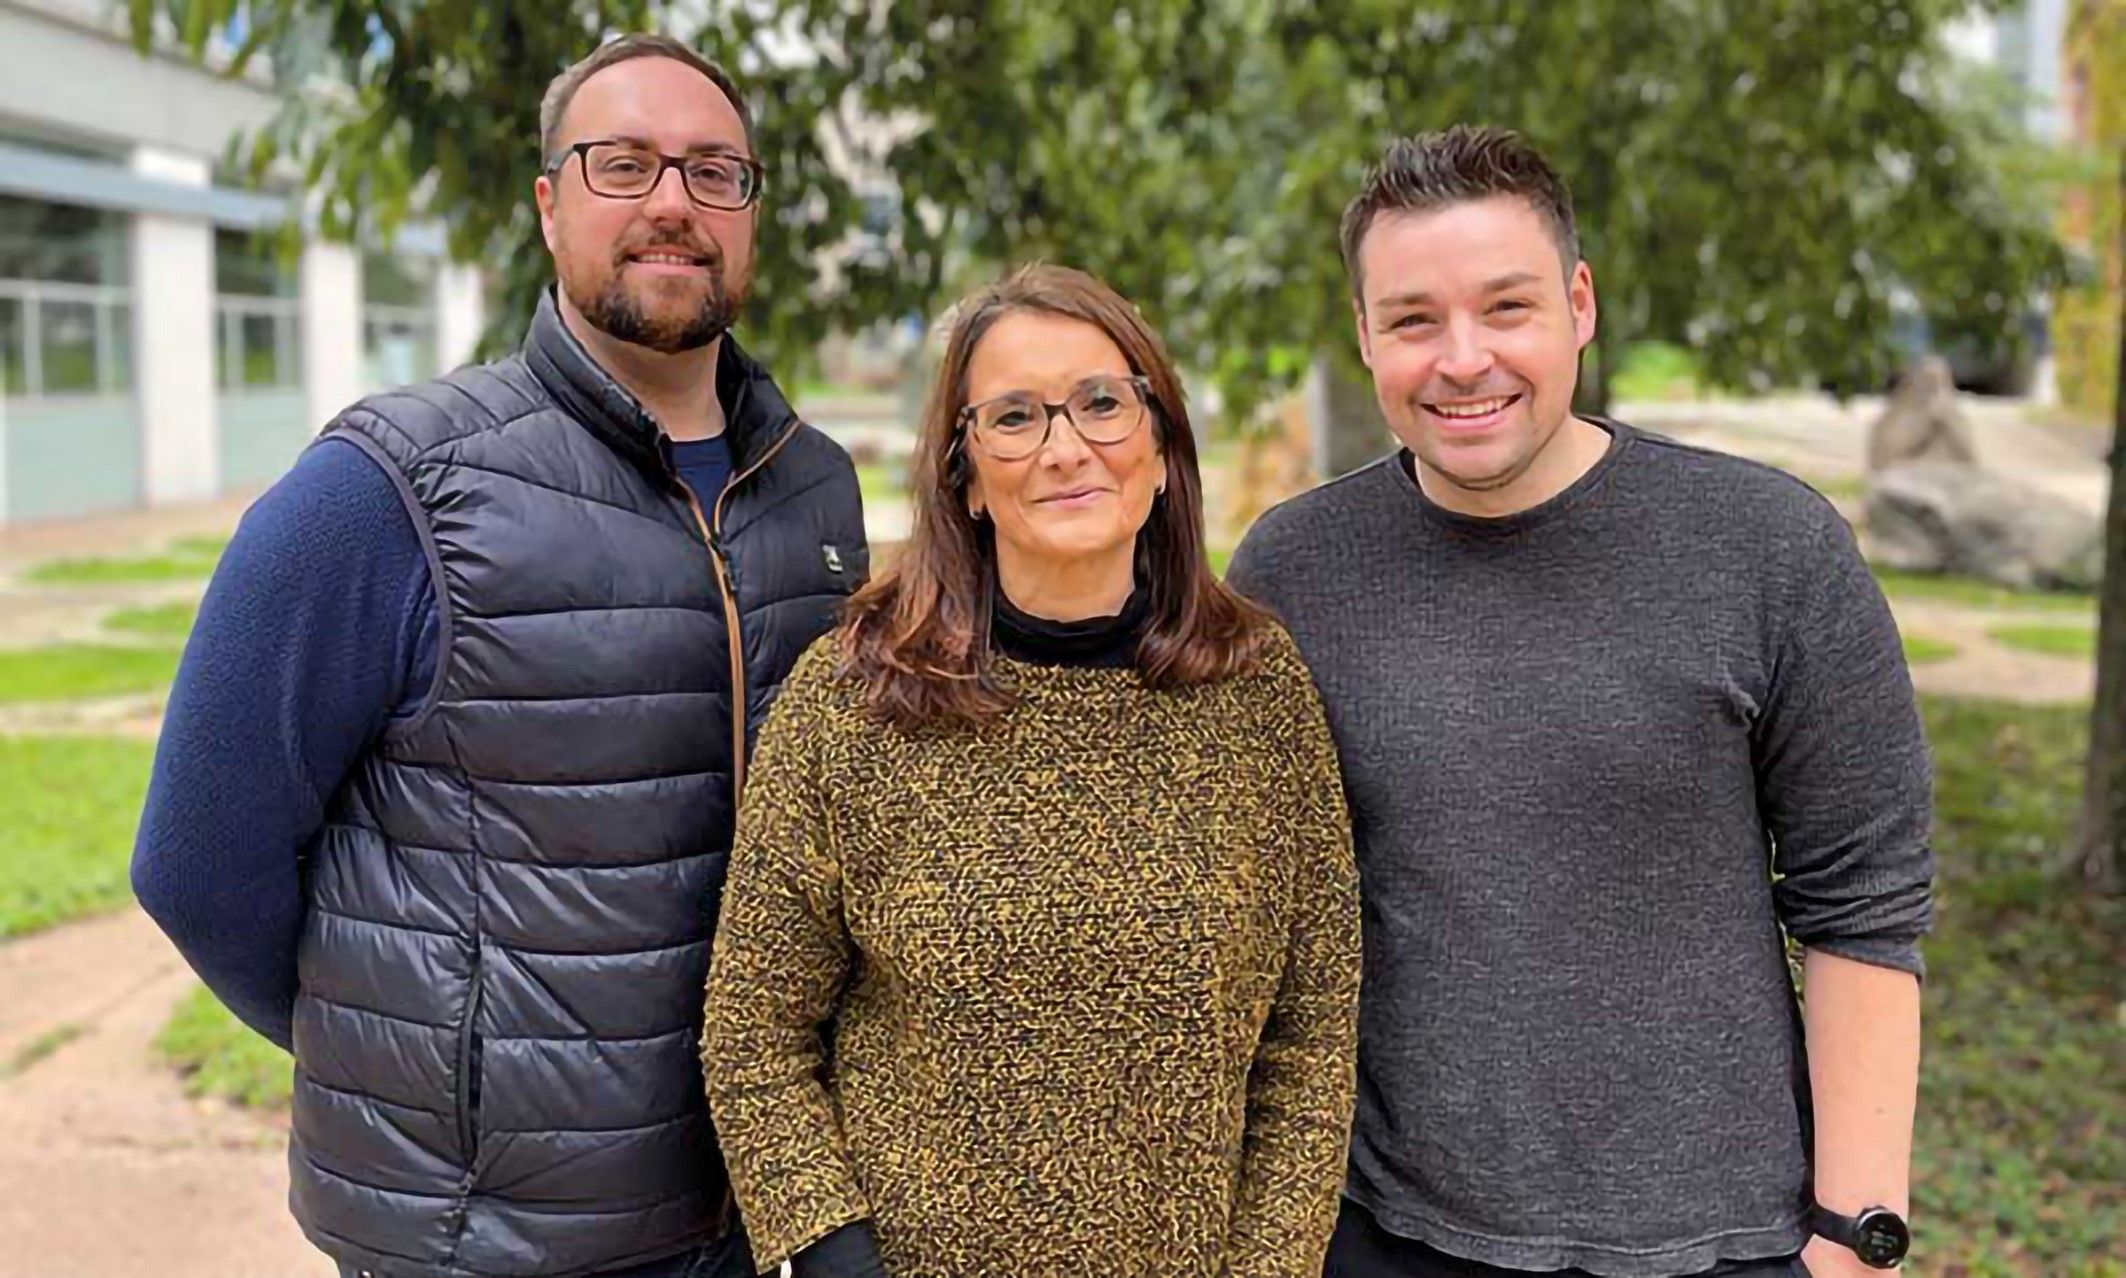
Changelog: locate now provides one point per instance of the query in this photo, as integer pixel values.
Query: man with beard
(1616, 717)
(448, 778)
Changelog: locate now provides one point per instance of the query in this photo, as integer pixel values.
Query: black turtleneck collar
(753, 406)
(1096, 642)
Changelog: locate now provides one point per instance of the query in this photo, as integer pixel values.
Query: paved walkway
(1984, 668)
(107, 1170)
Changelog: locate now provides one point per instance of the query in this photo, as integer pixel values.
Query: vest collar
(754, 408)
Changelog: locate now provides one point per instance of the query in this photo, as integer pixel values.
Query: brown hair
(1431, 171)
(917, 636)
(628, 47)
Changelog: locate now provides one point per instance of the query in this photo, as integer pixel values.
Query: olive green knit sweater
(1072, 994)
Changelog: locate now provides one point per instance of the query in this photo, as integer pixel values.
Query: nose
(1065, 447)
(1467, 357)
(668, 199)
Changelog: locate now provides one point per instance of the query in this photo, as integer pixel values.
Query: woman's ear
(959, 474)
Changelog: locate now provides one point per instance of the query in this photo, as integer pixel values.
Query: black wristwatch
(1877, 1235)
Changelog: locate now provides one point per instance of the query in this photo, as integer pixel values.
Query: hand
(1826, 1259)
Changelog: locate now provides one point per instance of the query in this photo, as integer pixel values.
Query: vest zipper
(468, 1066)
(712, 532)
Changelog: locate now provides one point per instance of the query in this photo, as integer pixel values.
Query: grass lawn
(881, 485)
(1838, 487)
(74, 671)
(67, 808)
(2021, 1162)
(808, 389)
(1919, 650)
(1656, 370)
(186, 559)
(2050, 641)
(41, 1047)
(1978, 594)
(217, 1056)
(162, 621)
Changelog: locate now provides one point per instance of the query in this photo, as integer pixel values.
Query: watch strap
(1825, 1223)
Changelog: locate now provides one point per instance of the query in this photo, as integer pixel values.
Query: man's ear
(1584, 311)
(543, 196)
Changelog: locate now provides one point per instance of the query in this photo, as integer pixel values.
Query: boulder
(1947, 517)
(1922, 420)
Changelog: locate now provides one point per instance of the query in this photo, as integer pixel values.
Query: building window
(61, 243)
(65, 310)
(14, 369)
(257, 316)
(398, 319)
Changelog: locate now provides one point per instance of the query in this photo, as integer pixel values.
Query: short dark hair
(628, 47)
(1431, 171)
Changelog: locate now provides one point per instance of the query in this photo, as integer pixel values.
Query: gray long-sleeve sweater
(1597, 753)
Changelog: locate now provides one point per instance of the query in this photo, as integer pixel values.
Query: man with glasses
(448, 778)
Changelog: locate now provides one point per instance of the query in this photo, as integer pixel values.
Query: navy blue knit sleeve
(318, 627)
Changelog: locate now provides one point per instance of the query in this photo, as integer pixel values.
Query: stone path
(1982, 667)
(107, 1170)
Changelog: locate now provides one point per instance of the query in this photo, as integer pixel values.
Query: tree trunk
(1347, 426)
(1592, 396)
(2096, 854)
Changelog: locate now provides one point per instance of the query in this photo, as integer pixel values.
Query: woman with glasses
(1039, 950)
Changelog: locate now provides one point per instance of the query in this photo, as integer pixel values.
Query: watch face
(1880, 1238)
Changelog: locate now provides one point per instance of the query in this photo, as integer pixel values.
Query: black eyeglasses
(1103, 410)
(627, 171)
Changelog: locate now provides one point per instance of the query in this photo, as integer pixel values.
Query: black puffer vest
(510, 905)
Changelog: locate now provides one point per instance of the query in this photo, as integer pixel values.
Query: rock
(1923, 421)
(1947, 517)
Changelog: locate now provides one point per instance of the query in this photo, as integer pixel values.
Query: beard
(616, 310)
(619, 314)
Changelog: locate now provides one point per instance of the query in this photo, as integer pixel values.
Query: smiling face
(1473, 332)
(1072, 509)
(658, 271)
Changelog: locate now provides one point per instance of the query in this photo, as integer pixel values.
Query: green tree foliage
(1756, 178)
(393, 109)
(2085, 326)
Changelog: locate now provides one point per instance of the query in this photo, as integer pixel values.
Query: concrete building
(155, 345)
(2026, 41)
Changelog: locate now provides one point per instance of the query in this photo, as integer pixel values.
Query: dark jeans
(1362, 1249)
(729, 1258)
